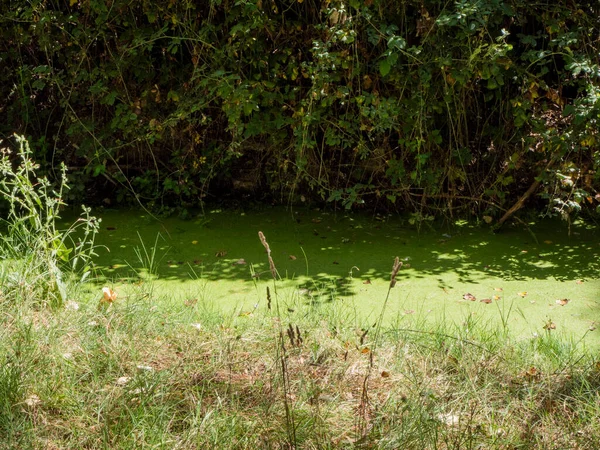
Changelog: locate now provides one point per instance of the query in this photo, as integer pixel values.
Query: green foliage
(35, 251)
(363, 101)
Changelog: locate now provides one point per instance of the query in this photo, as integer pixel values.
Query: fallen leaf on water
(498, 289)
(469, 297)
(191, 302)
(293, 258)
(385, 374)
(486, 301)
(547, 242)
(496, 297)
(523, 251)
(562, 301)
(522, 294)
(240, 262)
(365, 350)
(367, 281)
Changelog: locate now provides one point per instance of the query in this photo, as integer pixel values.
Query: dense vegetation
(425, 105)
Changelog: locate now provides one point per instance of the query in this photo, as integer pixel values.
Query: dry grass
(129, 377)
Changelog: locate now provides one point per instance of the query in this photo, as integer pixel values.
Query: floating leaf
(522, 294)
(498, 289)
(469, 297)
(365, 350)
(496, 297)
(562, 301)
(293, 258)
(367, 281)
(486, 301)
(385, 374)
(194, 242)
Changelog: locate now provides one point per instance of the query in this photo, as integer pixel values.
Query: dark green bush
(426, 105)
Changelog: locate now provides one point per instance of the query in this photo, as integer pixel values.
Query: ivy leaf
(384, 67)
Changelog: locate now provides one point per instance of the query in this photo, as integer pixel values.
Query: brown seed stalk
(265, 244)
(395, 269)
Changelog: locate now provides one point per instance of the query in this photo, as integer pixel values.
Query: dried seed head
(395, 269)
(264, 242)
(272, 267)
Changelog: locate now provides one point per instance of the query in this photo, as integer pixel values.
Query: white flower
(73, 306)
(32, 400)
(122, 381)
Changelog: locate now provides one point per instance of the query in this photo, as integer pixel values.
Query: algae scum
(464, 273)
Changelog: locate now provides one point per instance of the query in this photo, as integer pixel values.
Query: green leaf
(384, 67)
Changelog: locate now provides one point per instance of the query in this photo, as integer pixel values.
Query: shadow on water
(328, 246)
(326, 256)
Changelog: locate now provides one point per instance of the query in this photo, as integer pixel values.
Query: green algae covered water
(532, 281)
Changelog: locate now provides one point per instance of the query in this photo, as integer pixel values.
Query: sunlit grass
(301, 366)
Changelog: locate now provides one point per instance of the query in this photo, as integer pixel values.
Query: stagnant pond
(532, 280)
